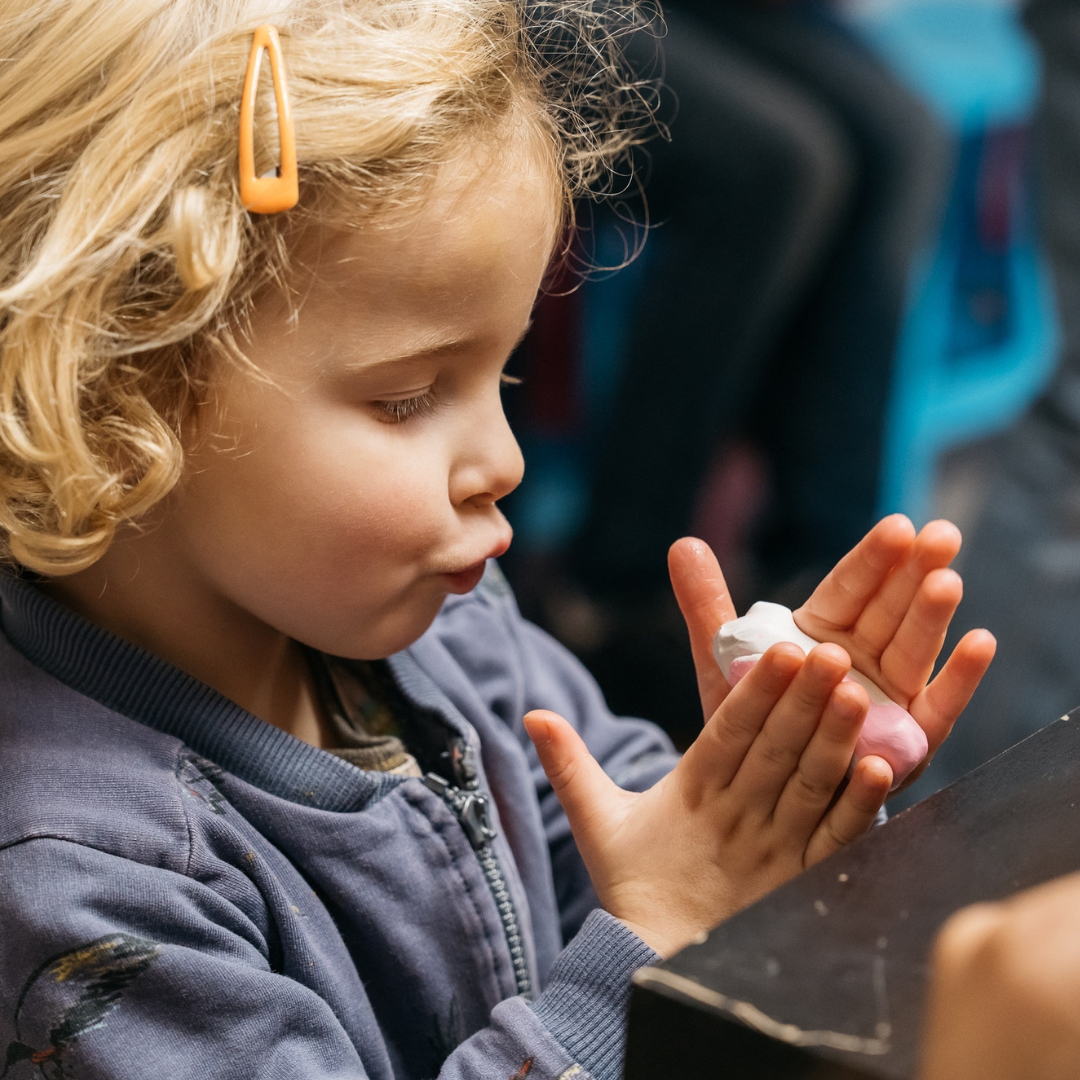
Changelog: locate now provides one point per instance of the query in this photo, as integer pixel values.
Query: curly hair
(126, 258)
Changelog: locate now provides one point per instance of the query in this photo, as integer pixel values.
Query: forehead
(476, 244)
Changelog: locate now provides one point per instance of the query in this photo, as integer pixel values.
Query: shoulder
(72, 769)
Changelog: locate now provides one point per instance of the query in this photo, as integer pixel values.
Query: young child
(268, 804)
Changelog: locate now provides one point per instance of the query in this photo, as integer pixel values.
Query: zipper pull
(471, 808)
(475, 818)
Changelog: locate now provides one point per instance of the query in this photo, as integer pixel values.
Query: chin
(382, 637)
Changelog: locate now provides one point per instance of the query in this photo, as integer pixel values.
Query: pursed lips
(468, 578)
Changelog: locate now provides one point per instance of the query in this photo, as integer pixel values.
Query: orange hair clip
(267, 194)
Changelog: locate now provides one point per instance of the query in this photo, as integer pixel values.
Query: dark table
(825, 978)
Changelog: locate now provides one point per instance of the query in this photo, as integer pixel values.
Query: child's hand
(1004, 999)
(750, 804)
(888, 603)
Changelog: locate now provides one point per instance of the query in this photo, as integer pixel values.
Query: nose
(489, 464)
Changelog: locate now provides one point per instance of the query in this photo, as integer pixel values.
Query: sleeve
(111, 968)
(114, 969)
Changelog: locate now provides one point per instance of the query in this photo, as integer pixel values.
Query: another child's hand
(888, 603)
(1004, 998)
(750, 805)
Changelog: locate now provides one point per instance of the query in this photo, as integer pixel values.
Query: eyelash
(425, 404)
(398, 412)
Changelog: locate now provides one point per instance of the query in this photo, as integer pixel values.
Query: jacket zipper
(472, 808)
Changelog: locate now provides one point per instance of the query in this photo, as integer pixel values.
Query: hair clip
(274, 193)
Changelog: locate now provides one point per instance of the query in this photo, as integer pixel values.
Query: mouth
(464, 581)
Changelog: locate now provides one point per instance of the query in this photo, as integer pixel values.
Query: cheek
(320, 509)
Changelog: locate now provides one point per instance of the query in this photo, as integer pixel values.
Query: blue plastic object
(979, 340)
(969, 59)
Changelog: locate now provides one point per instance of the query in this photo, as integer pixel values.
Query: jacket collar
(131, 681)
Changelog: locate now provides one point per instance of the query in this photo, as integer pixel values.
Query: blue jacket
(188, 892)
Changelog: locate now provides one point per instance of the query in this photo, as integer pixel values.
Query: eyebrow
(420, 353)
(412, 355)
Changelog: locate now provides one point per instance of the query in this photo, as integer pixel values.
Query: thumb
(706, 605)
(588, 796)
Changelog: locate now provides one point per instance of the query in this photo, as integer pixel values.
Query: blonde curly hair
(126, 258)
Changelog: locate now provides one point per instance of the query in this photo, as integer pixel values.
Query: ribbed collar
(131, 681)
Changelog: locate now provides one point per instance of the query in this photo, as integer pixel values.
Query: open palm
(888, 603)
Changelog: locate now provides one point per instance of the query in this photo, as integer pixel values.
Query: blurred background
(853, 295)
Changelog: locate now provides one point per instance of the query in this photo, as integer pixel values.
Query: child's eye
(397, 412)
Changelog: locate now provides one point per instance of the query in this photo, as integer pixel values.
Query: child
(268, 803)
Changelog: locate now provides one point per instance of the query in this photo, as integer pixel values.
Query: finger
(854, 811)
(908, 660)
(588, 796)
(933, 549)
(716, 755)
(706, 605)
(774, 756)
(935, 710)
(840, 599)
(824, 764)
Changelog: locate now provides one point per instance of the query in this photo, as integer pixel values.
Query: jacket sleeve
(112, 968)
(116, 969)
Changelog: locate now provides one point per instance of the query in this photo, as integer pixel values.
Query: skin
(754, 800)
(1004, 1000)
(306, 512)
(338, 500)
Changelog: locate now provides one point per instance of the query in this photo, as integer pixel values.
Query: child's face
(343, 502)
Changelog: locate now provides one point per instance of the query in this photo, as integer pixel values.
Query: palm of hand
(889, 603)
